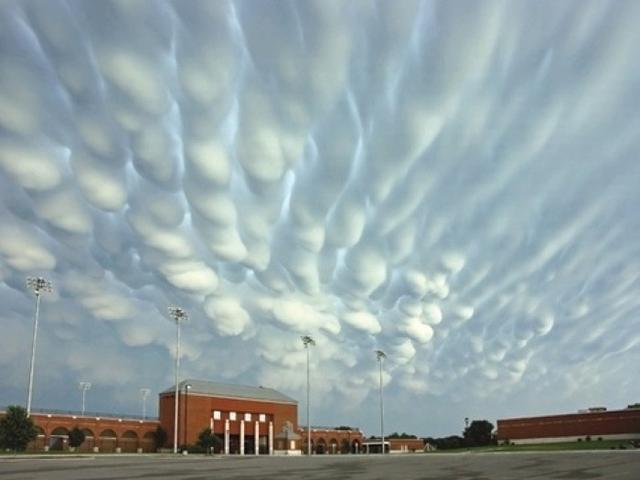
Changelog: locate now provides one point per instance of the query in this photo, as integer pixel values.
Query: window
(216, 415)
(263, 417)
(232, 415)
(247, 417)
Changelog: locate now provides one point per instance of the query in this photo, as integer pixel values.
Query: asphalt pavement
(614, 465)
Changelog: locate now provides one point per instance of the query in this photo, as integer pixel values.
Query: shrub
(588, 438)
(207, 440)
(76, 437)
(159, 437)
(16, 429)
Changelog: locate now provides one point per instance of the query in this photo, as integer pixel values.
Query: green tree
(207, 439)
(16, 429)
(478, 433)
(402, 435)
(76, 437)
(159, 437)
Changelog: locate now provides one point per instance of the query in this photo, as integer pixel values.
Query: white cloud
(363, 321)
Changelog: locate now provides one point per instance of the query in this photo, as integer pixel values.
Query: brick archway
(59, 438)
(333, 446)
(108, 440)
(89, 440)
(129, 441)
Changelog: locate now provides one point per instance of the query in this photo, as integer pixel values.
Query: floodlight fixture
(144, 392)
(84, 386)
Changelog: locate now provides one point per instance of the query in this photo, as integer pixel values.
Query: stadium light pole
(306, 341)
(84, 386)
(145, 393)
(39, 285)
(380, 355)
(178, 315)
(187, 387)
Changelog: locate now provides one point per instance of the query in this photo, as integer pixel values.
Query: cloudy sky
(456, 183)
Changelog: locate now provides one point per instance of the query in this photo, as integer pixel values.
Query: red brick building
(248, 420)
(331, 440)
(608, 425)
(394, 445)
(107, 434)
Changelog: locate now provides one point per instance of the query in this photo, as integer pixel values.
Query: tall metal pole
(177, 399)
(187, 387)
(84, 386)
(306, 341)
(178, 315)
(145, 393)
(38, 285)
(380, 355)
(308, 405)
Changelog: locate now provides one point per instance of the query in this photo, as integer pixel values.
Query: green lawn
(546, 447)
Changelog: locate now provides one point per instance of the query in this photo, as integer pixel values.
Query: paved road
(513, 466)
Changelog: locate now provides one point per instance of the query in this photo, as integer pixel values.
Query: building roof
(233, 391)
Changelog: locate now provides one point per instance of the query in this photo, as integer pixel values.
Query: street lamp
(84, 386)
(38, 285)
(380, 355)
(306, 341)
(178, 315)
(145, 393)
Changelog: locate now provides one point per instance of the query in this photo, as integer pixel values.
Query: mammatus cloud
(456, 185)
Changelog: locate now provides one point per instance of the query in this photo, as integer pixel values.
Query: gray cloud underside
(455, 183)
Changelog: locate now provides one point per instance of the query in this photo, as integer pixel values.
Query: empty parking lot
(566, 466)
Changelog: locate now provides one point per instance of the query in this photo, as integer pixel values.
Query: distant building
(331, 440)
(394, 445)
(594, 423)
(248, 420)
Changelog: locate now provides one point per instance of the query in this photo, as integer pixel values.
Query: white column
(270, 438)
(226, 436)
(241, 437)
(256, 438)
(211, 424)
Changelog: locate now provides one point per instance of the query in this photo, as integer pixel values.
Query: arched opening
(321, 446)
(108, 441)
(148, 442)
(304, 444)
(333, 446)
(356, 447)
(344, 446)
(89, 440)
(39, 442)
(59, 438)
(129, 441)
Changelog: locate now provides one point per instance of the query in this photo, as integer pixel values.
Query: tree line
(479, 433)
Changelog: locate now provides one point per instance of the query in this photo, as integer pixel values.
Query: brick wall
(615, 422)
(105, 433)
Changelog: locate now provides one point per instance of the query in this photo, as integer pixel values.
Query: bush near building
(76, 437)
(16, 429)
